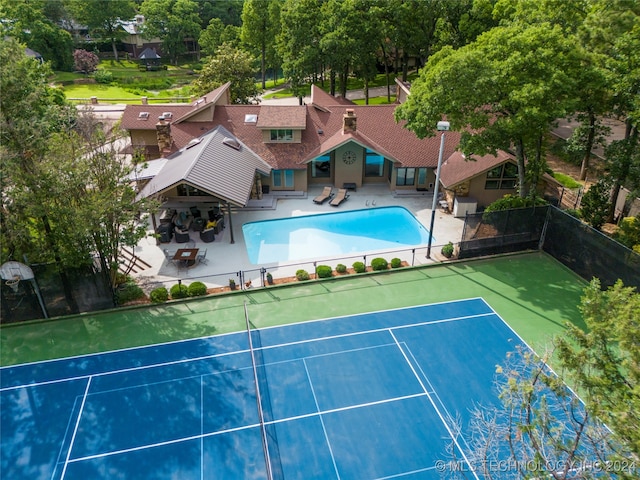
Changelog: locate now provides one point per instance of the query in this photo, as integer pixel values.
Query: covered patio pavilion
(212, 171)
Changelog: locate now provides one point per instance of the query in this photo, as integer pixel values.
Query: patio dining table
(186, 256)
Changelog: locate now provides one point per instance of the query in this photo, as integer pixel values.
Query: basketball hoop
(13, 283)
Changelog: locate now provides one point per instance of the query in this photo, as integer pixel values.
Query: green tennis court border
(532, 292)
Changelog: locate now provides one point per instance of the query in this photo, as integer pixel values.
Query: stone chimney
(163, 134)
(349, 121)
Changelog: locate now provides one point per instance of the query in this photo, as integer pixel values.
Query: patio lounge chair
(324, 196)
(340, 197)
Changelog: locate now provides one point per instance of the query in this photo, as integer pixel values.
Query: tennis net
(263, 401)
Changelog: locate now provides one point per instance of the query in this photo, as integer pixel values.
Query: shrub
(302, 275)
(447, 250)
(379, 264)
(359, 267)
(594, 207)
(396, 263)
(340, 268)
(179, 291)
(323, 271)
(629, 232)
(103, 76)
(159, 295)
(232, 284)
(197, 289)
(129, 291)
(85, 61)
(514, 201)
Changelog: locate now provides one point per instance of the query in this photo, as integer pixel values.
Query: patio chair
(202, 257)
(168, 255)
(339, 198)
(324, 196)
(182, 236)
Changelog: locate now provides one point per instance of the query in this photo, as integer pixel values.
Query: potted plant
(447, 250)
(232, 284)
(269, 278)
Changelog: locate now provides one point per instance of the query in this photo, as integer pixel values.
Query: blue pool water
(332, 234)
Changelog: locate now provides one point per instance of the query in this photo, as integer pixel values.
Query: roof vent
(250, 118)
(231, 142)
(320, 131)
(143, 116)
(198, 102)
(193, 143)
(167, 115)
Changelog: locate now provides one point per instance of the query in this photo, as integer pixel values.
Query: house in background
(329, 141)
(135, 43)
(477, 181)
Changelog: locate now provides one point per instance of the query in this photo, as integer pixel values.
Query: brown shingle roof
(376, 129)
(279, 116)
(457, 168)
(321, 99)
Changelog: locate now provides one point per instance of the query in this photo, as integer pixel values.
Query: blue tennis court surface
(360, 397)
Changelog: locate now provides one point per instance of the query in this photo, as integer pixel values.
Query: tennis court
(366, 396)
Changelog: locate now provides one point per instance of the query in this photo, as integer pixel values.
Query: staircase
(129, 262)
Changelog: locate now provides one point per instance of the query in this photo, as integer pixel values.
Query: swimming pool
(332, 234)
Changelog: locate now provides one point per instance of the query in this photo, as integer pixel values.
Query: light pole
(442, 127)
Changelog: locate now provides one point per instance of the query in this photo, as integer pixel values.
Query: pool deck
(224, 259)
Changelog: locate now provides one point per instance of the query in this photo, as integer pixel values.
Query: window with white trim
(282, 135)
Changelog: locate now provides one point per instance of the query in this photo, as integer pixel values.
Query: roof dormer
(280, 123)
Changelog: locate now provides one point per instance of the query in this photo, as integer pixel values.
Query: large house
(211, 151)
(329, 141)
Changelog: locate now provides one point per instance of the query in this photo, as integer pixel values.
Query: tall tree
(299, 42)
(25, 20)
(503, 91)
(612, 30)
(228, 11)
(174, 22)
(604, 360)
(259, 29)
(338, 42)
(103, 18)
(211, 37)
(538, 429)
(30, 114)
(233, 65)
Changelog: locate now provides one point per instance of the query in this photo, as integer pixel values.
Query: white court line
(119, 350)
(208, 357)
(75, 429)
(376, 330)
(161, 444)
(201, 427)
(186, 340)
(324, 428)
(433, 390)
(444, 422)
(126, 370)
(245, 427)
(66, 432)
